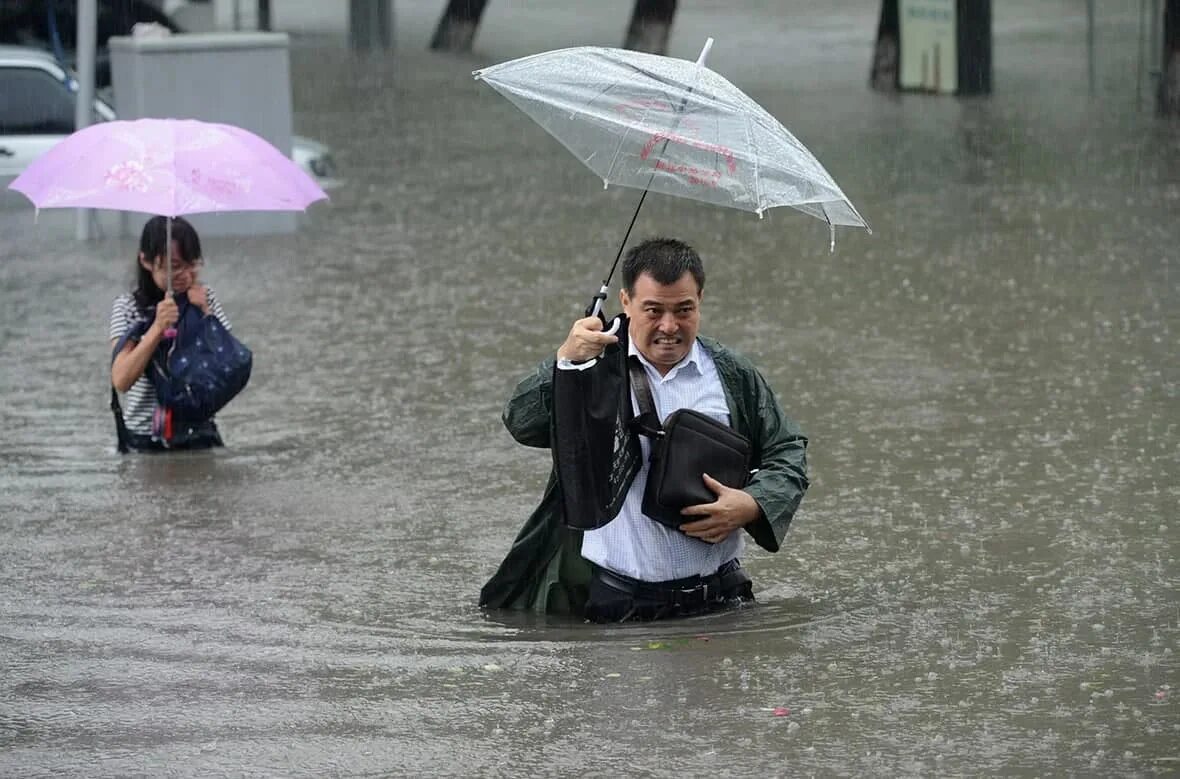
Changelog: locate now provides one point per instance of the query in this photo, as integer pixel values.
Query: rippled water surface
(983, 579)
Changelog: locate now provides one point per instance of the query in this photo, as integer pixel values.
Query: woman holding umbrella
(140, 322)
(169, 167)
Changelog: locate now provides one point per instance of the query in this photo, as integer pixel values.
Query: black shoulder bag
(687, 445)
(194, 377)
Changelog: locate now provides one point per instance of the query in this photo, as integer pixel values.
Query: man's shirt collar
(691, 361)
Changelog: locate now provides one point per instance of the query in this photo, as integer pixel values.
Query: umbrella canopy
(672, 126)
(168, 167)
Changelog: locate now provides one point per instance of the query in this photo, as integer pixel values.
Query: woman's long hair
(153, 243)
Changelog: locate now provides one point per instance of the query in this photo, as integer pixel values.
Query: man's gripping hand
(585, 340)
(713, 522)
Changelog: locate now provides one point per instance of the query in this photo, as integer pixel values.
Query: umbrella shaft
(595, 306)
(168, 253)
(627, 235)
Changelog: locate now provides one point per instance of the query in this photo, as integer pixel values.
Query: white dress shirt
(634, 545)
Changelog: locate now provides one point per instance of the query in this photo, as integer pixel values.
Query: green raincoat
(545, 571)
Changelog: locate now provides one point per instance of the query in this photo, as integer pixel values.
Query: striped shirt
(140, 400)
(636, 546)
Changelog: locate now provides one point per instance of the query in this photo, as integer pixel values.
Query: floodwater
(983, 579)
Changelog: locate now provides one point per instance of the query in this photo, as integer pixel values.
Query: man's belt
(689, 593)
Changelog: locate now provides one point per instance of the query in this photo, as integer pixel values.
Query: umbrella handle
(595, 307)
(169, 333)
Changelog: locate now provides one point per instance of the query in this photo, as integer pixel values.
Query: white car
(37, 99)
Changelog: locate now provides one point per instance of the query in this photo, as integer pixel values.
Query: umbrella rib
(615, 157)
(590, 102)
(757, 172)
(666, 82)
(628, 127)
(622, 140)
(585, 106)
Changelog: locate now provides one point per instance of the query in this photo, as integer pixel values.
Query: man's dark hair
(665, 260)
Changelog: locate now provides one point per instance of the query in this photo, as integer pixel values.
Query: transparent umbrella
(673, 126)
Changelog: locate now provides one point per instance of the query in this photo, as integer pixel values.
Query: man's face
(664, 318)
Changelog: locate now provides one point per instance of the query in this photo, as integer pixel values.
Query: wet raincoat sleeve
(529, 411)
(544, 571)
(780, 448)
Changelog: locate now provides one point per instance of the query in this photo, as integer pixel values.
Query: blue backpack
(194, 375)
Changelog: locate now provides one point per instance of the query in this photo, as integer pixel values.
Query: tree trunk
(884, 75)
(651, 24)
(456, 29)
(370, 24)
(1168, 104)
(974, 41)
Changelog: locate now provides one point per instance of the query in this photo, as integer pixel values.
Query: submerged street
(983, 578)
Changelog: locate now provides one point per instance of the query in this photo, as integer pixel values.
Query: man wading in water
(634, 567)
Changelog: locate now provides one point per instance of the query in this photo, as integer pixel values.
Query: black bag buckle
(648, 424)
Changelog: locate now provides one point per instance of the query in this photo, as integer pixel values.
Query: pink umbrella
(168, 167)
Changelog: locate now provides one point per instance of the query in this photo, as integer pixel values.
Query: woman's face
(184, 273)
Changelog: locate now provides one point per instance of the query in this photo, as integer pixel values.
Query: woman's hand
(167, 313)
(198, 295)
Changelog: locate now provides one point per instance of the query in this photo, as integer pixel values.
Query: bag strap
(121, 433)
(648, 421)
